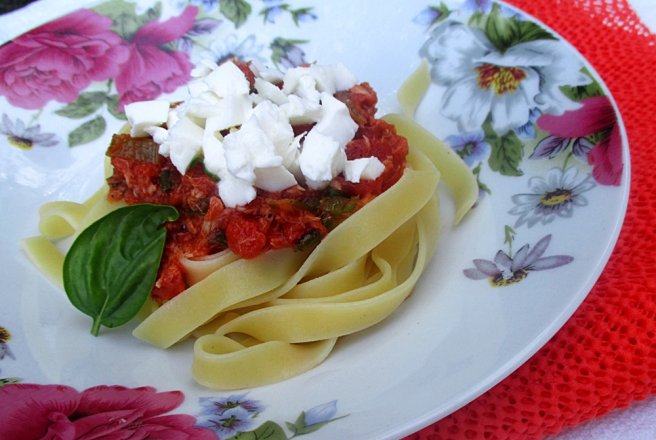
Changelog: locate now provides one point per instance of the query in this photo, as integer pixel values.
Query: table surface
(637, 421)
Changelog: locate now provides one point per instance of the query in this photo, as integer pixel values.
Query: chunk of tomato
(245, 236)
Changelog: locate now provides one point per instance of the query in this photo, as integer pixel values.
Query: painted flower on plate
(227, 416)
(231, 46)
(228, 423)
(213, 405)
(31, 411)
(204, 26)
(287, 53)
(482, 81)
(5, 336)
(321, 413)
(505, 270)
(483, 6)
(207, 5)
(153, 69)
(314, 419)
(551, 197)
(528, 131)
(59, 59)
(592, 132)
(275, 8)
(429, 16)
(21, 136)
(471, 147)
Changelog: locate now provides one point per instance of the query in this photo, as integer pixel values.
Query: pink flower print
(59, 59)
(29, 411)
(596, 116)
(152, 69)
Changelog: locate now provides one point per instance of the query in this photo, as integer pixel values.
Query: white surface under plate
(467, 325)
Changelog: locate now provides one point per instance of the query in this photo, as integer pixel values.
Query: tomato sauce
(297, 217)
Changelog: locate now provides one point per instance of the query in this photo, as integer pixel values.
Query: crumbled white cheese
(321, 159)
(368, 168)
(213, 152)
(270, 91)
(247, 149)
(144, 114)
(230, 111)
(301, 111)
(203, 68)
(343, 79)
(267, 73)
(274, 179)
(197, 87)
(247, 139)
(235, 191)
(291, 156)
(184, 142)
(336, 120)
(324, 79)
(159, 134)
(227, 79)
(273, 121)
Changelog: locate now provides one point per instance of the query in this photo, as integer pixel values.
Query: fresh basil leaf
(112, 266)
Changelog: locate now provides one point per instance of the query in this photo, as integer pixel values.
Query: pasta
(265, 319)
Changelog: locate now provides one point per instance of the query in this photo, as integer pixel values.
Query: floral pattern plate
(521, 106)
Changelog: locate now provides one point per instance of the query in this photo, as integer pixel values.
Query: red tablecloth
(605, 356)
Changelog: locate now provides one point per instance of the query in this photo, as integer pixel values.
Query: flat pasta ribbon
(266, 319)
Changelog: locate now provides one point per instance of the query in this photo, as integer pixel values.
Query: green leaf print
(507, 152)
(87, 103)
(237, 11)
(87, 132)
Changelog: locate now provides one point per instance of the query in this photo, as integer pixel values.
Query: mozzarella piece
(321, 159)
(301, 111)
(302, 82)
(273, 121)
(260, 150)
(234, 191)
(184, 141)
(228, 112)
(290, 157)
(202, 106)
(336, 120)
(270, 91)
(227, 79)
(267, 73)
(197, 87)
(274, 179)
(368, 168)
(144, 114)
(213, 151)
(325, 79)
(203, 68)
(159, 134)
(172, 119)
(249, 148)
(343, 79)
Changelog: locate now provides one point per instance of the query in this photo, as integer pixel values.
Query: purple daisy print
(504, 269)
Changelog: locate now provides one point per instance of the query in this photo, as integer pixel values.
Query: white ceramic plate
(557, 182)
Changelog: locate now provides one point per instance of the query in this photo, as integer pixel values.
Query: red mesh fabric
(605, 356)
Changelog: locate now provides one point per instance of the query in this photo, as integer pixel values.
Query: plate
(527, 113)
